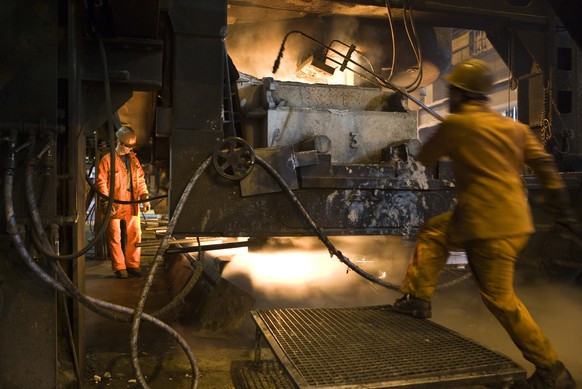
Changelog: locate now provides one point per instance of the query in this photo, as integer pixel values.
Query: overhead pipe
(343, 65)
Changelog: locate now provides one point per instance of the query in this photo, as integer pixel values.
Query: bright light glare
(286, 268)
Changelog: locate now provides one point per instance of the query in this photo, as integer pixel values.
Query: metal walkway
(375, 347)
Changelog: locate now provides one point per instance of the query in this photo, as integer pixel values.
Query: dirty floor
(228, 362)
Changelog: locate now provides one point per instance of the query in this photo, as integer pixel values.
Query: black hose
(380, 82)
(71, 340)
(41, 239)
(41, 247)
(178, 299)
(13, 231)
(415, 46)
(157, 260)
(116, 201)
(35, 213)
(42, 242)
(332, 249)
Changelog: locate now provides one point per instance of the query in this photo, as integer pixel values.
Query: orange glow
(287, 268)
(305, 260)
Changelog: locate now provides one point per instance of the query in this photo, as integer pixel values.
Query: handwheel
(233, 158)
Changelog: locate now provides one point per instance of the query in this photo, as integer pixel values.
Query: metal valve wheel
(233, 158)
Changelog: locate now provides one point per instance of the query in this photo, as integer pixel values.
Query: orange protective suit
(492, 220)
(127, 212)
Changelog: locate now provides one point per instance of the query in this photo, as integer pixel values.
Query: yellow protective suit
(127, 212)
(492, 220)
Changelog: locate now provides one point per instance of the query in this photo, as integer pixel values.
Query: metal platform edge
(498, 378)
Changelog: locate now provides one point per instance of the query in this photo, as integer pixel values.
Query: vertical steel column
(77, 152)
(197, 87)
(28, 93)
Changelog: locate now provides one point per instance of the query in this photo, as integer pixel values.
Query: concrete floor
(302, 274)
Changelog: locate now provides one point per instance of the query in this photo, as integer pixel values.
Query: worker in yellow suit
(129, 185)
(492, 220)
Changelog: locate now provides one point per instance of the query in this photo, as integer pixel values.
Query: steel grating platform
(375, 347)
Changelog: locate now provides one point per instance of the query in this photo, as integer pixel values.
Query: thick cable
(13, 230)
(43, 243)
(72, 343)
(415, 46)
(72, 290)
(178, 299)
(332, 249)
(40, 238)
(103, 227)
(117, 201)
(150, 277)
(418, 48)
(392, 36)
(23, 251)
(384, 83)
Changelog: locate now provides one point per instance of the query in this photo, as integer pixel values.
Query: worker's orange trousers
(492, 262)
(131, 259)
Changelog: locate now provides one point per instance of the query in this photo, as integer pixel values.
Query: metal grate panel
(376, 347)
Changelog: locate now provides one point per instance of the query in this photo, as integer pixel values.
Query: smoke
(300, 272)
(254, 49)
(317, 280)
(554, 305)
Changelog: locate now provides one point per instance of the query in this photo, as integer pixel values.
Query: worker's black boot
(411, 305)
(134, 271)
(121, 273)
(556, 376)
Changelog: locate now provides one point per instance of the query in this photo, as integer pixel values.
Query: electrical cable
(103, 227)
(371, 70)
(39, 232)
(111, 199)
(418, 48)
(415, 46)
(39, 235)
(332, 249)
(325, 240)
(69, 288)
(393, 39)
(156, 261)
(117, 201)
(71, 340)
(384, 83)
(45, 251)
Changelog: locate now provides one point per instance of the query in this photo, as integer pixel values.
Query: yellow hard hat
(472, 75)
(126, 135)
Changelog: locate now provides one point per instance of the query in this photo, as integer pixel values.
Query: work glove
(145, 206)
(556, 203)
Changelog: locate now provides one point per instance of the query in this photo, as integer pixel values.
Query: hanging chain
(546, 120)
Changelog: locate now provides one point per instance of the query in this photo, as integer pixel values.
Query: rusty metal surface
(378, 199)
(375, 347)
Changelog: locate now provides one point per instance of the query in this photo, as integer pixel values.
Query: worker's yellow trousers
(492, 262)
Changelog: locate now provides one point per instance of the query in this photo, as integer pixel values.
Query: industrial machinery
(232, 135)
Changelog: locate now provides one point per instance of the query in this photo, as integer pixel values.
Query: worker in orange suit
(492, 220)
(129, 185)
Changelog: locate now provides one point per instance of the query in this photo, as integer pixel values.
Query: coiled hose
(66, 286)
(150, 277)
